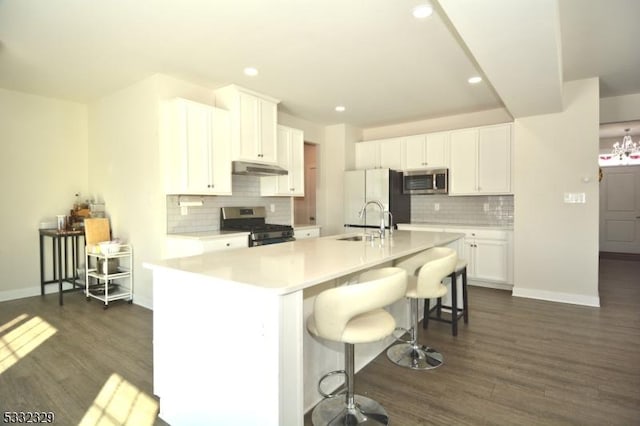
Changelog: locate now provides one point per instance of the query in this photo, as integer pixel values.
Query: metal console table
(60, 251)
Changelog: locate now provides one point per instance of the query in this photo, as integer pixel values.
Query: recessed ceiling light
(250, 71)
(475, 80)
(340, 108)
(422, 11)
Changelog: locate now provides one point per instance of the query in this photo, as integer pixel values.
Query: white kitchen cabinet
(290, 158)
(196, 149)
(480, 160)
(427, 151)
(254, 120)
(191, 245)
(488, 256)
(306, 232)
(488, 252)
(380, 154)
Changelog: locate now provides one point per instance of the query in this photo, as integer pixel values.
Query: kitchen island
(229, 326)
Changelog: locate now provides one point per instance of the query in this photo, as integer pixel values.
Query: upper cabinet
(253, 124)
(427, 151)
(380, 154)
(480, 160)
(196, 149)
(291, 158)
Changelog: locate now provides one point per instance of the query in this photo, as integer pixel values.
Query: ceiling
(371, 56)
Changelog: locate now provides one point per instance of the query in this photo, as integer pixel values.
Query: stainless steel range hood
(257, 169)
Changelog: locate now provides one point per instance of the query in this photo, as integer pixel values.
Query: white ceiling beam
(517, 45)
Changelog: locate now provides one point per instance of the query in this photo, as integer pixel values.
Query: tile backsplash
(246, 193)
(494, 210)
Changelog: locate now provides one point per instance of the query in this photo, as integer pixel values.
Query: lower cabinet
(306, 232)
(488, 252)
(487, 255)
(186, 245)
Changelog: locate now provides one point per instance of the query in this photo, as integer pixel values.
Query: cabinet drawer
(301, 234)
(217, 244)
(488, 234)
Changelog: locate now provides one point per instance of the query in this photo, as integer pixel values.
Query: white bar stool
(354, 314)
(436, 264)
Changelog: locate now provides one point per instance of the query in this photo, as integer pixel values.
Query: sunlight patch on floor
(16, 343)
(121, 403)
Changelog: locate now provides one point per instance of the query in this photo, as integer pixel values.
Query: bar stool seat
(435, 313)
(425, 282)
(354, 314)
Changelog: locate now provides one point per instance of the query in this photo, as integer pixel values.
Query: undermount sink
(361, 237)
(352, 238)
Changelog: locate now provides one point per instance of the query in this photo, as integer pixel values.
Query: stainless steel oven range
(253, 220)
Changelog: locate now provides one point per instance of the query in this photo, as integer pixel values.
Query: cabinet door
(296, 163)
(494, 159)
(220, 153)
(198, 145)
(437, 150)
(367, 155)
(267, 146)
(464, 155)
(197, 149)
(248, 137)
(490, 260)
(290, 158)
(414, 157)
(468, 253)
(391, 154)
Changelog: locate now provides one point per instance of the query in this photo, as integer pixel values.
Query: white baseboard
(144, 302)
(487, 284)
(21, 293)
(554, 296)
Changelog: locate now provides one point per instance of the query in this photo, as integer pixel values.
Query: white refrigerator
(382, 185)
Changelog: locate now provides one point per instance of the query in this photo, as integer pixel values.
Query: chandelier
(626, 147)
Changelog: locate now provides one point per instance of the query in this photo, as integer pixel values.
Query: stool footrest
(340, 390)
(440, 319)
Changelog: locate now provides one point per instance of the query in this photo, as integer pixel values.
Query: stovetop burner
(252, 220)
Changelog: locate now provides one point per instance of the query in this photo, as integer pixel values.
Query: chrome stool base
(415, 357)
(334, 411)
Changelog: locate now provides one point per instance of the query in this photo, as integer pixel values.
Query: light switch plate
(575, 197)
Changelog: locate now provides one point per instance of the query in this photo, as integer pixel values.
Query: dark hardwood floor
(518, 362)
(525, 362)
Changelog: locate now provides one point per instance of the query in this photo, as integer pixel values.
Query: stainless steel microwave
(428, 181)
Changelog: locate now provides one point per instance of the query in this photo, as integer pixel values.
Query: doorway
(304, 208)
(620, 210)
(619, 190)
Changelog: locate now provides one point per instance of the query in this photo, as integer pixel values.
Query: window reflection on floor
(121, 403)
(16, 341)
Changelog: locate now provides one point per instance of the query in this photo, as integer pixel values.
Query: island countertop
(288, 267)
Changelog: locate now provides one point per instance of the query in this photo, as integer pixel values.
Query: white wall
(556, 244)
(125, 167)
(480, 118)
(620, 108)
(337, 150)
(43, 164)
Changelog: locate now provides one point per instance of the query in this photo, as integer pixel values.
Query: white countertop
(288, 267)
(458, 225)
(206, 235)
